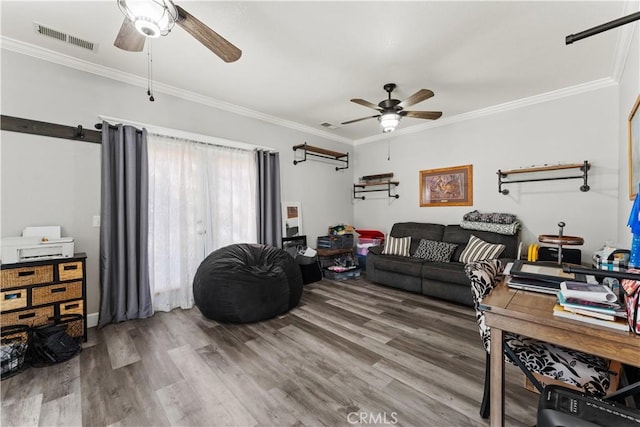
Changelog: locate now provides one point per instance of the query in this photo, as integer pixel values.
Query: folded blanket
(508, 229)
(495, 217)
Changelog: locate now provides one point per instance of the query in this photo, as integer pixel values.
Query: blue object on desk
(634, 224)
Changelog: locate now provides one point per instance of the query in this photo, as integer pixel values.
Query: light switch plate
(96, 220)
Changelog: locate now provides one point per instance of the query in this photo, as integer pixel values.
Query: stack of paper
(592, 303)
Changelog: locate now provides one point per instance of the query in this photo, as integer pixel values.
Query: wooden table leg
(496, 414)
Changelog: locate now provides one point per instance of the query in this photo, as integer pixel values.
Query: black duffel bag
(50, 344)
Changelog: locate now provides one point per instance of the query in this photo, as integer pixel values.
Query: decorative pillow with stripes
(478, 250)
(397, 246)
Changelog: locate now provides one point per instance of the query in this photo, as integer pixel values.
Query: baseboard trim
(92, 320)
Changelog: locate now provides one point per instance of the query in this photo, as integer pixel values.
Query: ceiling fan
(392, 110)
(155, 18)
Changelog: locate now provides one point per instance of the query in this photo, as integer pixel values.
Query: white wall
(48, 181)
(629, 92)
(567, 130)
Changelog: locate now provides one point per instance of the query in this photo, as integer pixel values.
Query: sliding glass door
(201, 197)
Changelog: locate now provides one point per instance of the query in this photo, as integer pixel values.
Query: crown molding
(89, 67)
(500, 108)
(82, 65)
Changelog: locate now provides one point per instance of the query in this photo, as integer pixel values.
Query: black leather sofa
(444, 280)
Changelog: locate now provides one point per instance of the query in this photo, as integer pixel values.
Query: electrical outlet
(96, 220)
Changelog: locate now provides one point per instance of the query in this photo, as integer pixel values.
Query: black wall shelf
(310, 150)
(584, 167)
(363, 188)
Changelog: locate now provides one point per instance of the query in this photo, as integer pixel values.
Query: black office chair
(584, 371)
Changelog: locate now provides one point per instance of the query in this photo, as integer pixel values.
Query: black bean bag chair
(244, 283)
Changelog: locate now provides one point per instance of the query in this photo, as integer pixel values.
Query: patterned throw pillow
(397, 246)
(478, 250)
(434, 251)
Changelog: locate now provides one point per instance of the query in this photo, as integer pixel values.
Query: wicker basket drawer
(33, 317)
(74, 324)
(53, 293)
(72, 307)
(26, 276)
(13, 299)
(70, 270)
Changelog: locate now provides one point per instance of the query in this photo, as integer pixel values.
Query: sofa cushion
(479, 250)
(397, 246)
(460, 236)
(376, 250)
(431, 250)
(397, 264)
(418, 230)
(448, 272)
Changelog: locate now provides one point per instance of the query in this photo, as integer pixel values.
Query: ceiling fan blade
(129, 38)
(366, 103)
(432, 115)
(209, 38)
(419, 96)
(358, 120)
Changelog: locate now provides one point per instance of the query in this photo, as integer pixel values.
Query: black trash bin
(310, 268)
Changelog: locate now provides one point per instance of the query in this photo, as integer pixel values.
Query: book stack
(591, 303)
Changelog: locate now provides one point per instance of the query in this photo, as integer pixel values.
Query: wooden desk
(531, 314)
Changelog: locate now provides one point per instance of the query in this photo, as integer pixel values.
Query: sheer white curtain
(201, 197)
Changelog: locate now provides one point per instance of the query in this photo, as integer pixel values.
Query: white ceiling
(303, 61)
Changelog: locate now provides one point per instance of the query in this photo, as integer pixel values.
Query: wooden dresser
(39, 292)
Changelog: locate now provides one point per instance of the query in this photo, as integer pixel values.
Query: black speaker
(550, 253)
(560, 406)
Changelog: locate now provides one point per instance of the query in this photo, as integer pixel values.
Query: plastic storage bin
(363, 245)
(344, 241)
(368, 238)
(341, 275)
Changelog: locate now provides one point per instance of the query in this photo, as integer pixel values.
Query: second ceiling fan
(392, 110)
(154, 18)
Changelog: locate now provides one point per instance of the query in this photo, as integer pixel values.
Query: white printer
(36, 243)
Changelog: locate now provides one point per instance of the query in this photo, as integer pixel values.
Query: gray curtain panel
(269, 218)
(124, 268)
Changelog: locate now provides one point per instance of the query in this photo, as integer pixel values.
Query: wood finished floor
(349, 348)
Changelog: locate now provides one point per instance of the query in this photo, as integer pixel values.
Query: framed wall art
(634, 150)
(447, 186)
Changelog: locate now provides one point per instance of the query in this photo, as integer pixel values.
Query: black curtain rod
(114, 127)
(34, 127)
(603, 27)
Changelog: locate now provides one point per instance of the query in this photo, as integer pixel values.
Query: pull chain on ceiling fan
(392, 110)
(155, 18)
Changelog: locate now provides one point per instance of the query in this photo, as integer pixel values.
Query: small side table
(560, 240)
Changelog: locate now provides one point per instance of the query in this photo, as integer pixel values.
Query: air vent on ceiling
(43, 30)
(329, 125)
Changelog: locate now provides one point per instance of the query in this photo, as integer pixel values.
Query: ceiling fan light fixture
(147, 27)
(152, 18)
(389, 121)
